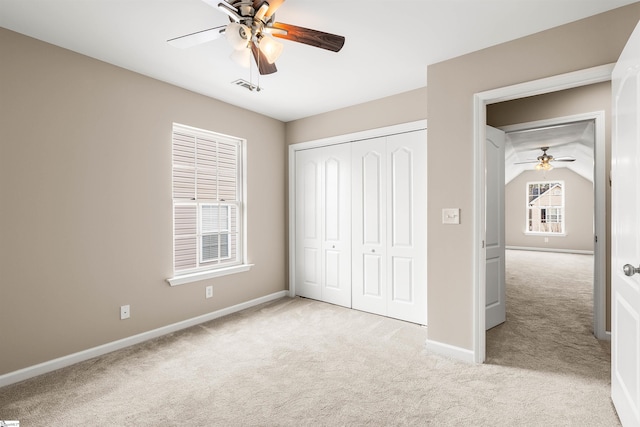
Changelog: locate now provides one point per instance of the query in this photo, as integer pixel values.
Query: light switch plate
(451, 216)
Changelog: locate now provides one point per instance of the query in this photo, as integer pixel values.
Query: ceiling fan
(252, 30)
(544, 160)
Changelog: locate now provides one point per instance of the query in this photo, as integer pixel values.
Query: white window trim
(208, 274)
(564, 212)
(244, 266)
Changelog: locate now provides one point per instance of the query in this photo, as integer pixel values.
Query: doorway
(481, 100)
(549, 237)
(567, 226)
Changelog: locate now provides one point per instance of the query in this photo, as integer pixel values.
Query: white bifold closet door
(323, 224)
(389, 226)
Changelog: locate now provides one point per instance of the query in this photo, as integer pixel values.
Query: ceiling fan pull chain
(250, 75)
(258, 87)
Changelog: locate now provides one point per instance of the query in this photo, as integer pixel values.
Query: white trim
(208, 274)
(242, 264)
(292, 221)
(340, 139)
(359, 136)
(480, 100)
(448, 350)
(565, 251)
(61, 362)
(599, 74)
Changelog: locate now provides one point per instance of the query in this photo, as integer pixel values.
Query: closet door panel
(369, 226)
(407, 216)
(308, 244)
(402, 284)
(402, 193)
(373, 281)
(336, 220)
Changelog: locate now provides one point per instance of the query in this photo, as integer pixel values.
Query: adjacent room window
(545, 207)
(207, 201)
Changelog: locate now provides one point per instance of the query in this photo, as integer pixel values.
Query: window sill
(209, 274)
(532, 233)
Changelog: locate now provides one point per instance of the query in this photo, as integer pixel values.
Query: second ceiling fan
(252, 31)
(544, 160)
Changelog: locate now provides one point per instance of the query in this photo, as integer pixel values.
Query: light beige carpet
(297, 362)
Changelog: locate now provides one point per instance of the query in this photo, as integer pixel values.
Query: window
(207, 204)
(545, 207)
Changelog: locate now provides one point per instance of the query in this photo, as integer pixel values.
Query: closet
(360, 224)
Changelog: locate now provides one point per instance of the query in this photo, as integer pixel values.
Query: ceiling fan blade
(526, 161)
(197, 38)
(563, 159)
(263, 65)
(314, 38)
(214, 3)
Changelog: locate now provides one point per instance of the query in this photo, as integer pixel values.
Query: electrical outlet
(208, 292)
(125, 312)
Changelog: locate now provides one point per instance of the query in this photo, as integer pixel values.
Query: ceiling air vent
(245, 84)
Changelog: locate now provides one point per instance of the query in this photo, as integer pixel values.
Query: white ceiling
(389, 43)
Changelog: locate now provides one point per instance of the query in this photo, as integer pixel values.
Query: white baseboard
(568, 251)
(605, 337)
(61, 362)
(448, 350)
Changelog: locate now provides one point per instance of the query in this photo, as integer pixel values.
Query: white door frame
(340, 139)
(480, 101)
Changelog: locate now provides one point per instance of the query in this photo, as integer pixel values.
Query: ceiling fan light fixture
(270, 48)
(544, 166)
(252, 26)
(237, 35)
(242, 57)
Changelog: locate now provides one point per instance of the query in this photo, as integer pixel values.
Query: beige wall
(402, 108)
(85, 184)
(451, 85)
(578, 206)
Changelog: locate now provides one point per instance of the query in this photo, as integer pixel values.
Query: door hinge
(596, 238)
(483, 244)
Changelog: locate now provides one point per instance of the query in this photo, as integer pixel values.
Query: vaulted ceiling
(574, 140)
(389, 43)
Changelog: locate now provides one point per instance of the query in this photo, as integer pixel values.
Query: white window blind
(207, 200)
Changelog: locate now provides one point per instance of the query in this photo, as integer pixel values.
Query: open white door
(495, 299)
(625, 227)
